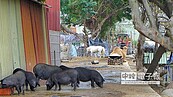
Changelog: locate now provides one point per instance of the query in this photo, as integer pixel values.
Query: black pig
(30, 79)
(44, 71)
(65, 67)
(16, 80)
(65, 77)
(88, 75)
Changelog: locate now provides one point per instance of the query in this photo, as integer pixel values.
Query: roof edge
(41, 3)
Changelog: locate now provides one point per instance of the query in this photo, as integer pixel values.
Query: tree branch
(64, 28)
(98, 29)
(147, 32)
(171, 25)
(149, 13)
(100, 6)
(163, 17)
(164, 6)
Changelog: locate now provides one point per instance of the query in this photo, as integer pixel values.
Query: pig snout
(100, 84)
(33, 83)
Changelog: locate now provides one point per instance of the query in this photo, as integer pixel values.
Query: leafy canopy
(76, 11)
(93, 12)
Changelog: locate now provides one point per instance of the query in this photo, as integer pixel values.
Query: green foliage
(107, 26)
(125, 13)
(76, 11)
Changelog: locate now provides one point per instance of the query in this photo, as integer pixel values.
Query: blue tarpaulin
(73, 51)
(69, 38)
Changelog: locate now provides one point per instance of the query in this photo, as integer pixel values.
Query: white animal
(99, 50)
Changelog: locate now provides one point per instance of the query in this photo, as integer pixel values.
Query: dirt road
(112, 86)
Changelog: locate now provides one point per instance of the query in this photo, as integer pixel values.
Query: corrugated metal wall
(34, 33)
(11, 38)
(46, 34)
(54, 15)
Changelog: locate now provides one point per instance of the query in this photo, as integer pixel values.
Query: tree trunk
(85, 39)
(140, 52)
(154, 62)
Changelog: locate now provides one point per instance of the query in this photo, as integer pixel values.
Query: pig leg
(59, 86)
(71, 85)
(55, 86)
(78, 82)
(38, 79)
(92, 83)
(75, 84)
(38, 83)
(26, 83)
(12, 91)
(18, 89)
(22, 88)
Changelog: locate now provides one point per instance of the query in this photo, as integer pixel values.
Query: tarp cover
(69, 38)
(73, 51)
